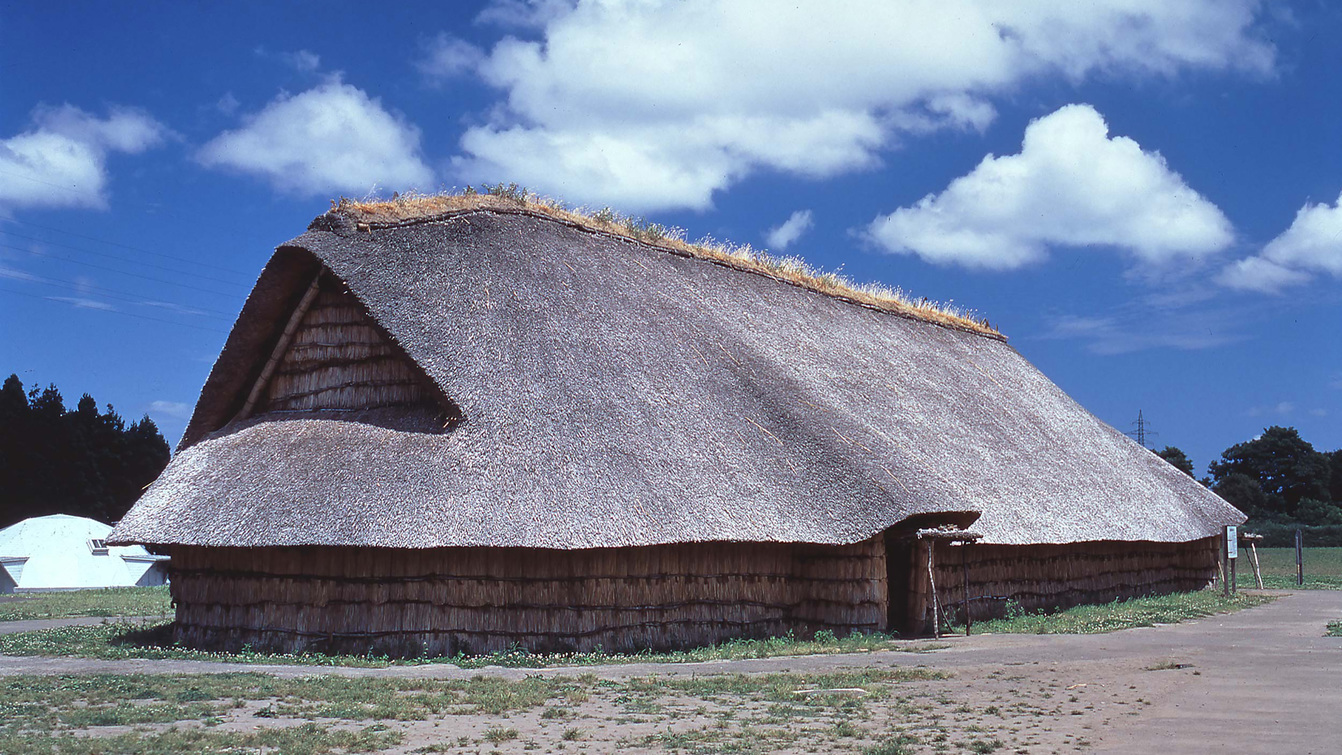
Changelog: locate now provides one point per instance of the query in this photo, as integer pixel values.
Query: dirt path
(1260, 680)
(29, 625)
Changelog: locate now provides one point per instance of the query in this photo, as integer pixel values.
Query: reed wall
(339, 360)
(1049, 577)
(474, 600)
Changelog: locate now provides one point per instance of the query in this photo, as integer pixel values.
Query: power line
(122, 259)
(113, 293)
(118, 272)
(123, 314)
(127, 246)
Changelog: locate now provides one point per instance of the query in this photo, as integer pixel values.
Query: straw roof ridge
(348, 215)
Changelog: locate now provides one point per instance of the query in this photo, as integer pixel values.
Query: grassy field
(1126, 614)
(113, 601)
(1323, 568)
(115, 640)
(890, 711)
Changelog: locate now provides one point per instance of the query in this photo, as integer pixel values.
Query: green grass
(1125, 614)
(1323, 568)
(112, 601)
(54, 701)
(1334, 629)
(117, 640)
(307, 739)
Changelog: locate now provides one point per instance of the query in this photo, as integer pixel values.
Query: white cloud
(61, 161)
(1258, 274)
(1313, 244)
(332, 138)
(1110, 335)
(173, 409)
(782, 236)
(660, 104)
(228, 104)
(1070, 185)
(84, 303)
(11, 273)
(304, 61)
(446, 57)
(1281, 408)
(523, 14)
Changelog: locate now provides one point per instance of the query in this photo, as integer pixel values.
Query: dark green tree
(1335, 476)
(1244, 493)
(1287, 468)
(1177, 458)
(82, 461)
(1313, 511)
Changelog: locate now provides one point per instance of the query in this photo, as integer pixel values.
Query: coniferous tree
(82, 461)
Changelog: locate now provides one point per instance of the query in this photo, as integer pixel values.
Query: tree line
(1277, 478)
(79, 461)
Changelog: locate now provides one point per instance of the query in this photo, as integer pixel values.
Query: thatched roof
(616, 393)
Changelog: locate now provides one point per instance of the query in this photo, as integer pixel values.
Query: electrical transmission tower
(1142, 431)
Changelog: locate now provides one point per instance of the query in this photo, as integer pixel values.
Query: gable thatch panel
(617, 394)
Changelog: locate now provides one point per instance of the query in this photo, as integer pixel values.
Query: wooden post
(932, 580)
(1225, 556)
(1234, 577)
(1257, 571)
(964, 567)
(1299, 558)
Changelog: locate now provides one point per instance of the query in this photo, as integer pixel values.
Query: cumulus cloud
(660, 104)
(447, 57)
(782, 236)
(61, 160)
(1313, 244)
(330, 139)
(1070, 185)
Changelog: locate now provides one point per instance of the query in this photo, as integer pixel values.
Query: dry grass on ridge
(412, 207)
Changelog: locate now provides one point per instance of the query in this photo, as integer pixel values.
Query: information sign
(1232, 542)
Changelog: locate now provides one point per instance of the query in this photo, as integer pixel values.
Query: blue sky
(1143, 197)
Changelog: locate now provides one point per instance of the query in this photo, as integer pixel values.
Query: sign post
(1232, 554)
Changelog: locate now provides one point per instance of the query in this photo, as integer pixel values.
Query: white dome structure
(62, 552)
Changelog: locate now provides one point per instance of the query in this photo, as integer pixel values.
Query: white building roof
(63, 552)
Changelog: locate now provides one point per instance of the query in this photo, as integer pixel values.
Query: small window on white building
(98, 547)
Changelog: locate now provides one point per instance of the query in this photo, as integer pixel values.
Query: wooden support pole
(932, 580)
(295, 318)
(964, 570)
(1257, 571)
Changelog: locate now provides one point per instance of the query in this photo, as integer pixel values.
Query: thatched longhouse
(483, 423)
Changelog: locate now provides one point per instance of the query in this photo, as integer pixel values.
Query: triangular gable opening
(334, 358)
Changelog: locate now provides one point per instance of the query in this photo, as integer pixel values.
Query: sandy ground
(1261, 680)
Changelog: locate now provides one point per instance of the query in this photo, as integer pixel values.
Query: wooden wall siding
(1055, 576)
(338, 360)
(441, 602)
